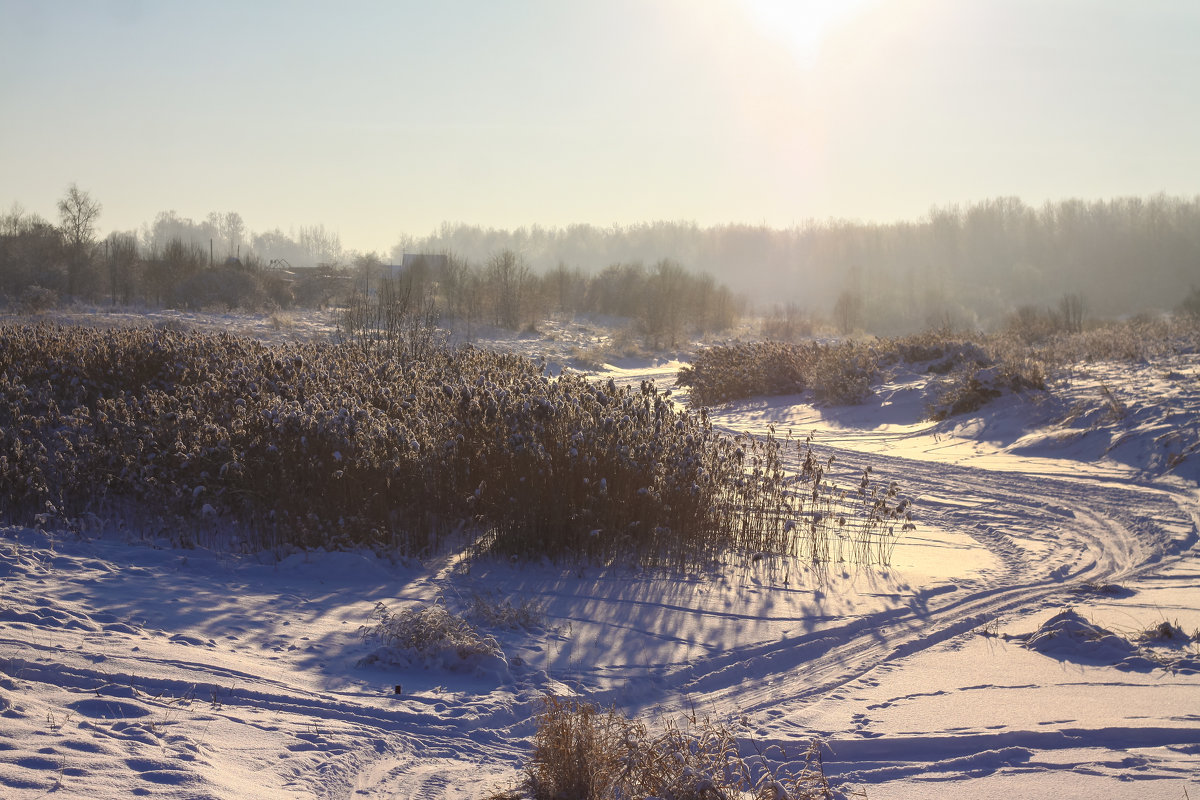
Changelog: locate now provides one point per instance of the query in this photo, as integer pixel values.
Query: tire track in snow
(1090, 524)
(894, 758)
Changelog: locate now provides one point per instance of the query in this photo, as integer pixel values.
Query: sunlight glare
(802, 25)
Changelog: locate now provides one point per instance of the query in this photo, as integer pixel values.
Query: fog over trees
(974, 265)
(966, 265)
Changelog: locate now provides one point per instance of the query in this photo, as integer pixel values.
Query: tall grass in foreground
(583, 753)
(343, 445)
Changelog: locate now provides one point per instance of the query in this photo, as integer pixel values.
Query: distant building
(432, 264)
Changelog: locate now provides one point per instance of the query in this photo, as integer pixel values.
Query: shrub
(845, 372)
(742, 369)
(502, 613)
(1033, 324)
(1138, 339)
(842, 374)
(426, 634)
(223, 288)
(837, 373)
(972, 388)
(787, 324)
(37, 298)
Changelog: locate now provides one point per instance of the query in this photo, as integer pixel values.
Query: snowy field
(1033, 637)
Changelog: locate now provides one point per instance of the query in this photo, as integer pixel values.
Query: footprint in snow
(183, 638)
(107, 709)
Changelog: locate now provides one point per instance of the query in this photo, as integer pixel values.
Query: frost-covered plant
(1164, 632)
(492, 612)
(733, 371)
(846, 372)
(970, 389)
(837, 373)
(845, 523)
(1140, 338)
(842, 374)
(425, 633)
(37, 298)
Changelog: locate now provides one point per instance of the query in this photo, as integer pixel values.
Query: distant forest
(964, 266)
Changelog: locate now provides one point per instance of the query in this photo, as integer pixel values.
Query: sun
(802, 25)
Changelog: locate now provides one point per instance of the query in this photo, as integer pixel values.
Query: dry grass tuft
(582, 753)
(493, 612)
(1163, 632)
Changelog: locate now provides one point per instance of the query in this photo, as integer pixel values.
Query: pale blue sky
(382, 118)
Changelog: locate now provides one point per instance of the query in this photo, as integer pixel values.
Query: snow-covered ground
(1005, 651)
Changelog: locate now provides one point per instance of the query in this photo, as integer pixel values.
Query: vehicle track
(1101, 533)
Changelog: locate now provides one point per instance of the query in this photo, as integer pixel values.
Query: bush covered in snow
(430, 636)
(967, 371)
(1068, 635)
(742, 369)
(971, 370)
(837, 373)
(971, 388)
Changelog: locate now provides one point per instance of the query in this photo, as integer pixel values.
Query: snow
(1003, 653)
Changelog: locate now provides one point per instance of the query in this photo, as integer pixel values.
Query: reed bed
(847, 372)
(212, 438)
(969, 369)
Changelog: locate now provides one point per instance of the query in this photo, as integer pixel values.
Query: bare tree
(565, 288)
(31, 253)
(463, 288)
(370, 272)
(230, 227)
(508, 278)
(79, 212)
(663, 304)
(122, 257)
(848, 312)
(15, 222)
(1071, 308)
(323, 246)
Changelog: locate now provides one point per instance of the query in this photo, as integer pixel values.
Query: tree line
(972, 265)
(665, 302)
(217, 263)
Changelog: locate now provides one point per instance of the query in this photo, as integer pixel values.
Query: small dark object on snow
(397, 688)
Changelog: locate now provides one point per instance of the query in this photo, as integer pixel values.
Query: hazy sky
(382, 118)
